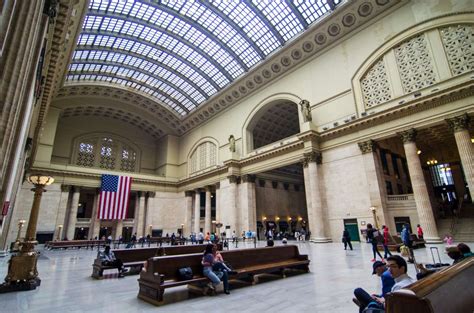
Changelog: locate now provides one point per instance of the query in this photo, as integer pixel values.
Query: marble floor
(67, 286)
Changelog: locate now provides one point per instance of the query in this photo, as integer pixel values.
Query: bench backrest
(249, 257)
(449, 290)
(175, 250)
(135, 255)
(67, 243)
(241, 258)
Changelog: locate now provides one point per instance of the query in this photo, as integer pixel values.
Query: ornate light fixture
(374, 209)
(22, 271)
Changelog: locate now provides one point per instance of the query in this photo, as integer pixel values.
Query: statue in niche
(306, 110)
(231, 143)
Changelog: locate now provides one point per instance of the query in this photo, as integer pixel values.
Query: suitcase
(436, 265)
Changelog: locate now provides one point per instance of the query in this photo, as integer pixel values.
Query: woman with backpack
(372, 235)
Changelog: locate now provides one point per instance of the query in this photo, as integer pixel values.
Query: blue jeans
(365, 299)
(216, 277)
(386, 251)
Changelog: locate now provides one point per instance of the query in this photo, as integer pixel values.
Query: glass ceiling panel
(184, 52)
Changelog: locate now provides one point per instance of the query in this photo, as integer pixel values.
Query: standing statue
(231, 143)
(306, 110)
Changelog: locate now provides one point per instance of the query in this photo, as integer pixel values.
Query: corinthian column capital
(312, 156)
(408, 135)
(459, 123)
(367, 146)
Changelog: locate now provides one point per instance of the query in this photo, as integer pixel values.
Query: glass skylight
(183, 52)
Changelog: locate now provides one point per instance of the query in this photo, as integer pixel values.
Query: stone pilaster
(420, 191)
(375, 181)
(141, 214)
(71, 226)
(118, 229)
(188, 228)
(248, 201)
(207, 213)
(460, 127)
(233, 219)
(149, 213)
(61, 213)
(94, 228)
(317, 223)
(197, 211)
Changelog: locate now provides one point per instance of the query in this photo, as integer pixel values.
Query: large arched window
(203, 157)
(106, 152)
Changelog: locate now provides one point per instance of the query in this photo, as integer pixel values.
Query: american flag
(114, 196)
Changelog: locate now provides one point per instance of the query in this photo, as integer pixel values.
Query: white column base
(320, 240)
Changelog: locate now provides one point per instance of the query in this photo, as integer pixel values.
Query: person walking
(419, 231)
(372, 235)
(406, 238)
(386, 241)
(346, 239)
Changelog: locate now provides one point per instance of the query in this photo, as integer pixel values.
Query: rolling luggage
(436, 265)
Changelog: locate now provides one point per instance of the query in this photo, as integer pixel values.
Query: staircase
(462, 227)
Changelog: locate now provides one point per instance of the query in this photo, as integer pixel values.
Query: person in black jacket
(372, 235)
(346, 239)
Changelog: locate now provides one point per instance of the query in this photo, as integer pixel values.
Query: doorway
(351, 226)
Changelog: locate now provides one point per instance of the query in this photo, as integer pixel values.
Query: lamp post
(22, 272)
(16, 245)
(373, 209)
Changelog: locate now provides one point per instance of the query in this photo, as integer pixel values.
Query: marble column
(118, 229)
(233, 217)
(460, 126)
(248, 203)
(207, 213)
(94, 228)
(218, 206)
(61, 213)
(71, 226)
(420, 191)
(375, 181)
(141, 214)
(188, 214)
(197, 211)
(149, 213)
(316, 218)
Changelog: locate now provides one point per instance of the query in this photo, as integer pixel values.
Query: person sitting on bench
(208, 262)
(108, 258)
(219, 264)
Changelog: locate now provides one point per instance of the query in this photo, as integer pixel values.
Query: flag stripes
(114, 196)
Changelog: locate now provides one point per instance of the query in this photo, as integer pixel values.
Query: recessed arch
(203, 155)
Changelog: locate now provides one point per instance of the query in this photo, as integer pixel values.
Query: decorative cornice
(459, 123)
(408, 135)
(188, 193)
(151, 194)
(367, 146)
(312, 156)
(65, 188)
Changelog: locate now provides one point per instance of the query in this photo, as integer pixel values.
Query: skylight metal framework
(183, 52)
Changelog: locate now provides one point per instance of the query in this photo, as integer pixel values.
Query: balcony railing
(406, 197)
(82, 220)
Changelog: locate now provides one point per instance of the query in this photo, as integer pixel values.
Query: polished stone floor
(67, 286)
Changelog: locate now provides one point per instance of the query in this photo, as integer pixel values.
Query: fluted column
(460, 126)
(188, 227)
(233, 215)
(375, 181)
(118, 229)
(197, 211)
(71, 226)
(316, 217)
(95, 221)
(218, 205)
(61, 213)
(420, 191)
(248, 203)
(141, 214)
(207, 217)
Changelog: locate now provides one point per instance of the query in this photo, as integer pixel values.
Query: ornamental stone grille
(85, 156)
(375, 85)
(107, 158)
(128, 160)
(414, 64)
(458, 42)
(203, 157)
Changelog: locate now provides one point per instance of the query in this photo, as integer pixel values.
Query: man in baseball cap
(362, 298)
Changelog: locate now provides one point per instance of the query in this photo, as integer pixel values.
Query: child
(448, 239)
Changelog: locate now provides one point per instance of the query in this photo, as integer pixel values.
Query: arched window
(106, 152)
(203, 157)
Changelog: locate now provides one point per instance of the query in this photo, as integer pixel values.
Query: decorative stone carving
(141, 194)
(76, 189)
(189, 193)
(375, 85)
(151, 194)
(312, 157)
(248, 178)
(458, 41)
(274, 184)
(367, 146)
(232, 179)
(408, 135)
(217, 185)
(459, 123)
(231, 143)
(306, 110)
(415, 64)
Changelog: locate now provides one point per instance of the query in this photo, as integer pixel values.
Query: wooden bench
(449, 290)
(135, 258)
(394, 244)
(162, 272)
(65, 244)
